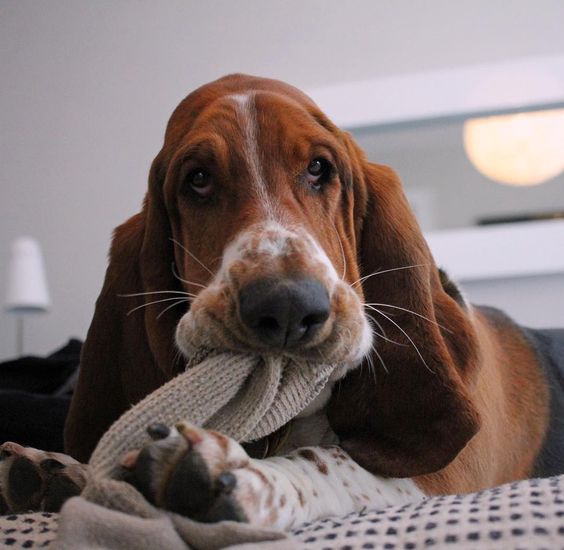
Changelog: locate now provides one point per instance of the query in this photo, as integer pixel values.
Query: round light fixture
(517, 149)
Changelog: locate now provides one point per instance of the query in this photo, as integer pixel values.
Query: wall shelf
(520, 84)
(500, 251)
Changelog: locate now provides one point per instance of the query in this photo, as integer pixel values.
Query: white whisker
(407, 336)
(409, 311)
(380, 359)
(192, 255)
(157, 292)
(386, 271)
(371, 367)
(170, 307)
(177, 276)
(380, 335)
(157, 302)
(380, 327)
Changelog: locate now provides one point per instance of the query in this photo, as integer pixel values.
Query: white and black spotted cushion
(35, 530)
(528, 514)
(525, 515)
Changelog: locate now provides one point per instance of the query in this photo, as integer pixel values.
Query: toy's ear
(407, 412)
(128, 352)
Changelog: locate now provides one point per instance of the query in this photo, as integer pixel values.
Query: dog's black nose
(284, 312)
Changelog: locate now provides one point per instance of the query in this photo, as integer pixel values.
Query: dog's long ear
(127, 354)
(407, 413)
(158, 264)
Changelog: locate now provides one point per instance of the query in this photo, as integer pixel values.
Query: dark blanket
(35, 396)
(549, 347)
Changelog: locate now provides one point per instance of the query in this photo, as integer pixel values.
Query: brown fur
(468, 415)
(310, 455)
(512, 398)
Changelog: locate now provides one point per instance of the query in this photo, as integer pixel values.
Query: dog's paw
(198, 473)
(34, 480)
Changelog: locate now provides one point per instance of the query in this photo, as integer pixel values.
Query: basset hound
(265, 228)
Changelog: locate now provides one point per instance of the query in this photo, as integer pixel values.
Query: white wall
(517, 267)
(87, 88)
(532, 301)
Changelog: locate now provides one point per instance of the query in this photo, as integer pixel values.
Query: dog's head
(258, 190)
(287, 240)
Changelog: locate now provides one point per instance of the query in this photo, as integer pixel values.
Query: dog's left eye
(201, 183)
(318, 171)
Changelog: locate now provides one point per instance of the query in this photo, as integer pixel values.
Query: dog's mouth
(267, 318)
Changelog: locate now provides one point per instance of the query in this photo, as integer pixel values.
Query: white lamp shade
(27, 284)
(520, 149)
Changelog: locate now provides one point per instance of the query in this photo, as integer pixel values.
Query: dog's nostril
(284, 312)
(314, 319)
(267, 323)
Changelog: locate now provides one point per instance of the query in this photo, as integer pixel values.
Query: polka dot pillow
(528, 514)
(524, 515)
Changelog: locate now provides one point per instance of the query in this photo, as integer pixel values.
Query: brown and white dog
(265, 228)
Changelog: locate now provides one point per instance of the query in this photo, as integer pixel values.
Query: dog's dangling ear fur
(128, 352)
(407, 411)
(157, 264)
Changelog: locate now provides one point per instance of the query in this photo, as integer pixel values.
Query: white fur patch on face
(322, 257)
(366, 340)
(246, 116)
(277, 243)
(273, 240)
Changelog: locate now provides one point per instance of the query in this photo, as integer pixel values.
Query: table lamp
(27, 284)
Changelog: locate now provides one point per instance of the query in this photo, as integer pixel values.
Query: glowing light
(518, 149)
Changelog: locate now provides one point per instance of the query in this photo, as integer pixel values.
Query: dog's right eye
(318, 172)
(201, 183)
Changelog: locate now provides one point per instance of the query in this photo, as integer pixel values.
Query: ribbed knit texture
(244, 396)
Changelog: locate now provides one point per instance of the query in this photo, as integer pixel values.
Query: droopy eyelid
(199, 153)
(324, 150)
(209, 149)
